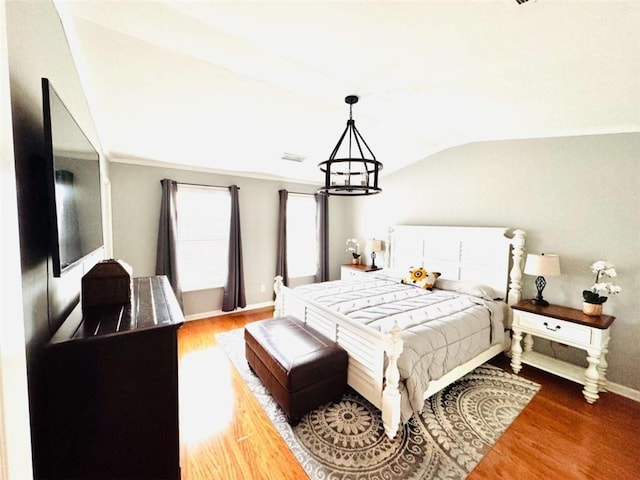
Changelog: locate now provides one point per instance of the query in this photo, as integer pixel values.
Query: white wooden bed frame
(483, 255)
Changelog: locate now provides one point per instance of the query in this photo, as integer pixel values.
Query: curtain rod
(203, 185)
(298, 193)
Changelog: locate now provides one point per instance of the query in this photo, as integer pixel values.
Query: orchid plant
(596, 294)
(352, 247)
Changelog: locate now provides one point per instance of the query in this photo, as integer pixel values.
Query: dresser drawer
(558, 330)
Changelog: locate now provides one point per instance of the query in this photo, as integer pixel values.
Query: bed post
(277, 288)
(388, 247)
(515, 276)
(391, 392)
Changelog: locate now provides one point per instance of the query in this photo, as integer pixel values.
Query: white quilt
(441, 329)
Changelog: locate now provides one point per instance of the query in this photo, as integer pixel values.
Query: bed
(406, 343)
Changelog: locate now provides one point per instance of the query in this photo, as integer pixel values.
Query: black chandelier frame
(351, 176)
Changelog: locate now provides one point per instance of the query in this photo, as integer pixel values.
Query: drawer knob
(554, 329)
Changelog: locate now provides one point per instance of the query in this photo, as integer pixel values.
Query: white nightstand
(567, 326)
(351, 271)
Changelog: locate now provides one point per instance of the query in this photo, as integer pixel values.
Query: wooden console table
(112, 389)
(567, 326)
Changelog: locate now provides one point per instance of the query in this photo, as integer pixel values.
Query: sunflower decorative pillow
(421, 278)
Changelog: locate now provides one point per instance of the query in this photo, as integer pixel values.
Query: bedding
(441, 329)
(470, 288)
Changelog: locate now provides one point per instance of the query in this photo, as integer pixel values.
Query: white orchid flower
(596, 294)
(352, 245)
(614, 289)
(606, 288)
(601, 265)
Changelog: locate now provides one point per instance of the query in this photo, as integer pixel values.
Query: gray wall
(135, 193)
(37, 47)
(578, 197)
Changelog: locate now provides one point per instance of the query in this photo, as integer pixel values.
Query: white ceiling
(233, 85)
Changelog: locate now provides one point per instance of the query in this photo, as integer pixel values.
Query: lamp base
(540, 284)
(541, 302)
(373, 260)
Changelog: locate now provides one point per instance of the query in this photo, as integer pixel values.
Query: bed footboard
(367, 350)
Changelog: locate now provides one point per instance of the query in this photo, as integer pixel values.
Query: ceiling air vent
(292, 157)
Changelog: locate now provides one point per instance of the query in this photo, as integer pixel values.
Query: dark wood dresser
(112, 383)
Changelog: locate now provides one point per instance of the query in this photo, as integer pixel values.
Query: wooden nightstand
(351, 271)
(567, 326)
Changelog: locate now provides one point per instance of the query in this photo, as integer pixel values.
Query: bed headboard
(483, 255)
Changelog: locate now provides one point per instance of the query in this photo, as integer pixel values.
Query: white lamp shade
(376, 245)
(544, 265)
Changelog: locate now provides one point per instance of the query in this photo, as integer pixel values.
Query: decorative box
(109, 282)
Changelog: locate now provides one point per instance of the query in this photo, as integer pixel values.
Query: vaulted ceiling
(232, 86)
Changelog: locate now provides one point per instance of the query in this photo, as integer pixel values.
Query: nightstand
(350, 271)
(569, 327)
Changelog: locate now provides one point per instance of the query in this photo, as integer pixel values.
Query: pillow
(392, 274)
(419, 277)
(468, 288)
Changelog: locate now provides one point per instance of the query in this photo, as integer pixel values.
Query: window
(204, 215)
(302, 242)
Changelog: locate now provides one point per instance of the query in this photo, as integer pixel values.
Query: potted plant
(352, 247)
(596, 295)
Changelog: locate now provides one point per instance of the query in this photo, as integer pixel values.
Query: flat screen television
(73, 171)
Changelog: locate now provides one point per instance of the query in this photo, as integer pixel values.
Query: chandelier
(351, 175)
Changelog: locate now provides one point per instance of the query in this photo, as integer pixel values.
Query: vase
(594, 309)
(355, 261)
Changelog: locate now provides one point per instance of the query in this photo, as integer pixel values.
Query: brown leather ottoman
(301, 368)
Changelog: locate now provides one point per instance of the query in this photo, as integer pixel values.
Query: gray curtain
(281, 258)
(322, 213)
(167, 249)
(234, 294)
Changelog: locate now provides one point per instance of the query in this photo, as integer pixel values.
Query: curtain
(281, 258)
(167, 249)
(234, 294)
(322, 212)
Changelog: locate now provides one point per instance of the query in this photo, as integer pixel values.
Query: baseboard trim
(217, 313)
(623, 391)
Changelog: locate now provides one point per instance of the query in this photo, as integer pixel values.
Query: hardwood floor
(224, 432)
(226, 435)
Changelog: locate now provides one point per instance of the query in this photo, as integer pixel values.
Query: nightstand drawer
(353, 272)
(559, 330)
(349, 274)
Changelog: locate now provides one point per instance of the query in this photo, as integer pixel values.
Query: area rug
(345, 440)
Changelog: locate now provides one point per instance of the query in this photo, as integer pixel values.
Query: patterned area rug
(346, 440)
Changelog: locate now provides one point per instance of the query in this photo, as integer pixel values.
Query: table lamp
(542, 265)
(376, 246)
